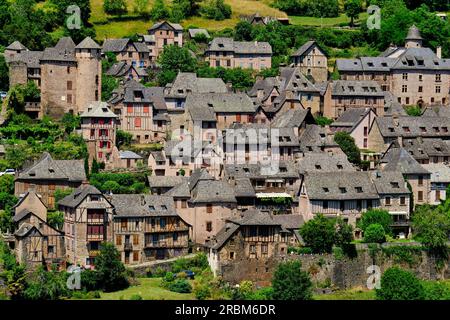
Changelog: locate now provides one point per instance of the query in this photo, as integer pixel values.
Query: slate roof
(74, 199)
(30, 58)
(304, 48)
(286, 169)
(98, 109)
(292, 118)
(389, 182)
(314, 137)
(324, 162)
(24, 229)
(187, 82)
(88, 43)
(440, 172)
(16, 45)
(201, 187)
(174, 26)
(410, 127)
(20, 215)
(239, 47)
(64, 51)
(205, 106)
(122, 69)
(267, 85)
(356, 88)
(165, 181)
(350, 118)
(425, 148)
(129, 155)
(140, 205)
(399, 160)
(413, 33)
(338, 186)
(141, 94)
(120, 45)
(439, 111)
(48, 169)
(254, 217)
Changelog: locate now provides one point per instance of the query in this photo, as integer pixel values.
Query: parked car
(190, 274)
(8, 171)
(3, 94)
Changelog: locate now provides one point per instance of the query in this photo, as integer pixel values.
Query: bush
(376, 216)
(217, 10)
(159, 272)
(135, 297)
(398, 284)
(374, 234)
(180, 286)
(111, 273)
(436, 290)
(348, 146)
(291, 283)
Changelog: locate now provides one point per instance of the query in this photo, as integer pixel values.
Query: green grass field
(148, 289)
(116, 29)
(323, 22)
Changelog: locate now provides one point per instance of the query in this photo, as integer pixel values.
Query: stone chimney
(439, 52)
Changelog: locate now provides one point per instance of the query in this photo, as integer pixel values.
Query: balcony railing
(95, 237)
(165, 244)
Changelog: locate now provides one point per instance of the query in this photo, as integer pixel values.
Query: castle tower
(413, 39)
(89, 72)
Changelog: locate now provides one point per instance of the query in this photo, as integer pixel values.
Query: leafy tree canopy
(291, 283)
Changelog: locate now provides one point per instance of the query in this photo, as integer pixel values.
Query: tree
(374, 233)
(7, 184)
(431, 226)
(140, 7)
(159, 11)
(413, 111)
(55, 219)
(47, 285)
(352, 9)
(348, 146)
(4, 74)
(62, 5)
(116, 7)
(217, 10)
(123, 138)
(318, 234)
(182, 9)
(110, 269)
(323, 121)
(61, 194)
(109, 84)
(177, 59)
(376, 216)
(344, 233)
(243, 31)
(70, 122)
(398, 284)
(291, 283)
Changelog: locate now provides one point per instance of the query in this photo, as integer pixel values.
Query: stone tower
(89, 72)
(413, 39)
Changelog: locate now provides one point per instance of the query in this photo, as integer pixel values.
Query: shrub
(110, 270)
(135, 297)
(436, 291)
(217, 10)
(398, 284)
(180, 286)
(159, 272)
(374, 234)
(291, 283)
(376, 216)
(348, 146)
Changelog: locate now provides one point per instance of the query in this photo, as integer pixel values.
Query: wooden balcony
(165, 244)
(95, 237)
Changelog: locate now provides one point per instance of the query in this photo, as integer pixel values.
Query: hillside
(114, 27)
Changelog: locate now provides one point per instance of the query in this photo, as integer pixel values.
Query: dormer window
(436, 129)
(164, 207)
(359, 189)
(343, 190)
(406, 129)
(318, 167)
(340, 167)
(326, 190)
(395, 185)
(152, 208)
(423, 129)
(391, 129)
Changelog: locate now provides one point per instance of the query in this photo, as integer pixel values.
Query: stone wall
(342, 273)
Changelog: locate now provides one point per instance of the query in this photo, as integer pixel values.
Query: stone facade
(312, 61)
